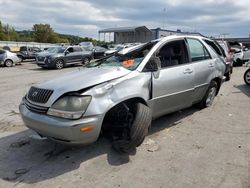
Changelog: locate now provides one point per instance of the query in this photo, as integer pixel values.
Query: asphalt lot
(189, 148)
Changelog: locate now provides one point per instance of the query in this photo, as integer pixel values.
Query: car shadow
(27, 158)
(244, 89)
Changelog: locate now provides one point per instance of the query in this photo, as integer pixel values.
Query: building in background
(126, 34)
(136, 34)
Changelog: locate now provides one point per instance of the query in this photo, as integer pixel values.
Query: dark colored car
(97, 51)
(27, 52)
(60, 57)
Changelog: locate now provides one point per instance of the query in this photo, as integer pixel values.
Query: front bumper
(62, 130)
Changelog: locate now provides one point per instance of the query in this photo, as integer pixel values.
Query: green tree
(44, 33)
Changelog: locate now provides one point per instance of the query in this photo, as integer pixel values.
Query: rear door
(174, 86)
(70, 56)
(79, 54)
(203, 66)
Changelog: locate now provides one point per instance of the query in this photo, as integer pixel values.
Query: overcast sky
(86, 17)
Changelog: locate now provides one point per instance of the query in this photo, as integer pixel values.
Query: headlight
(48, 59)
(70, 107)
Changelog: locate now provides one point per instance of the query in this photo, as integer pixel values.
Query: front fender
(109, 94)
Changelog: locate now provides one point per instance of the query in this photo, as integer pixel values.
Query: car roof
(162, 40)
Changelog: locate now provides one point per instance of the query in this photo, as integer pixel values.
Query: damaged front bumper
(63, 130)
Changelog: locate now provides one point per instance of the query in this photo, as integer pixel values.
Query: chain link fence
(15, 46)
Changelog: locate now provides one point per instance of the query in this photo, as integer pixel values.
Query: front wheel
(59, 64)
(136, 132)
(247, 77)
(210, 95)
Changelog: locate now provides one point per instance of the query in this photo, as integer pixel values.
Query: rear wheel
(8, 63)
(210, 95)
(239, 62)
(85, 61)
(20, 58)
(228, 75)
(59, 64)
(247, 77)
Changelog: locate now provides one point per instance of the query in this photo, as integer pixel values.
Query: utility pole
(223, 35)
(164, 17)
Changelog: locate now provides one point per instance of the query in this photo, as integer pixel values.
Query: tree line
(43, 33)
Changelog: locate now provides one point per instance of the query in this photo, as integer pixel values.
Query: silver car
(8, 59)
(120, 95)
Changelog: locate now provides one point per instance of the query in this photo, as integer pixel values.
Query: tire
(239, 62)
(8, 63)
(247, 77)
(85, 61)
(59, 64)
(210, 95)
(228, 76)
(138, 130)
(20, 58)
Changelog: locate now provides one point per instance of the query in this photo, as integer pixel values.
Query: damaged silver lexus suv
(120, 95)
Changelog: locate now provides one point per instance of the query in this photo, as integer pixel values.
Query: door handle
(210, 65)
(188, 71)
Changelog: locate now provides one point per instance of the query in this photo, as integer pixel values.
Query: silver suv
(121, 94)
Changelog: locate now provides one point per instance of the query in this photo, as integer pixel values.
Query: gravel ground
(189, 148)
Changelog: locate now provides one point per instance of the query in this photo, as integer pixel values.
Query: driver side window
(70, 50)
(173, 53)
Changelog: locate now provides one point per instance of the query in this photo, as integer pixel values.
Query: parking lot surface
(189, 148)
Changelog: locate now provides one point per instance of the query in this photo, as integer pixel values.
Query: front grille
(40, 58)
(35, 108)
(39, 95)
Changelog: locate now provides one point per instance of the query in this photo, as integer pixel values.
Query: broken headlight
(70, 107)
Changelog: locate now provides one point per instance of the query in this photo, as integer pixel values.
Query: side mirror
(153, 64)
(66, 52)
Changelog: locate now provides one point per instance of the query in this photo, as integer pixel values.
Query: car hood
(81, 79)
(110, 51)
(46, 54)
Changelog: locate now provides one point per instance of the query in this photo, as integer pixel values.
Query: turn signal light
(86, 129)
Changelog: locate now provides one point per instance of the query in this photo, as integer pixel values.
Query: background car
(8, 59)
(60, 57)
(228, 56)
(116, 48)
(87, 44)
(247, 77)
(27, 52)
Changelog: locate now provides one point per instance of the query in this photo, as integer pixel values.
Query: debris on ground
(20, 144)
(37, 137)
(152, 145)
(21, 171)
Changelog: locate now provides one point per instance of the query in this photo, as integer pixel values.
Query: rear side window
(216, 47)
(198, 51)
(2, 52)
(77, 49)
(23, 48)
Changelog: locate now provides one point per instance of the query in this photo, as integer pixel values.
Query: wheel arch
(129, 101)
(218, 80)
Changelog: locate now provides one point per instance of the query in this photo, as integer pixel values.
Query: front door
(173, 86)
